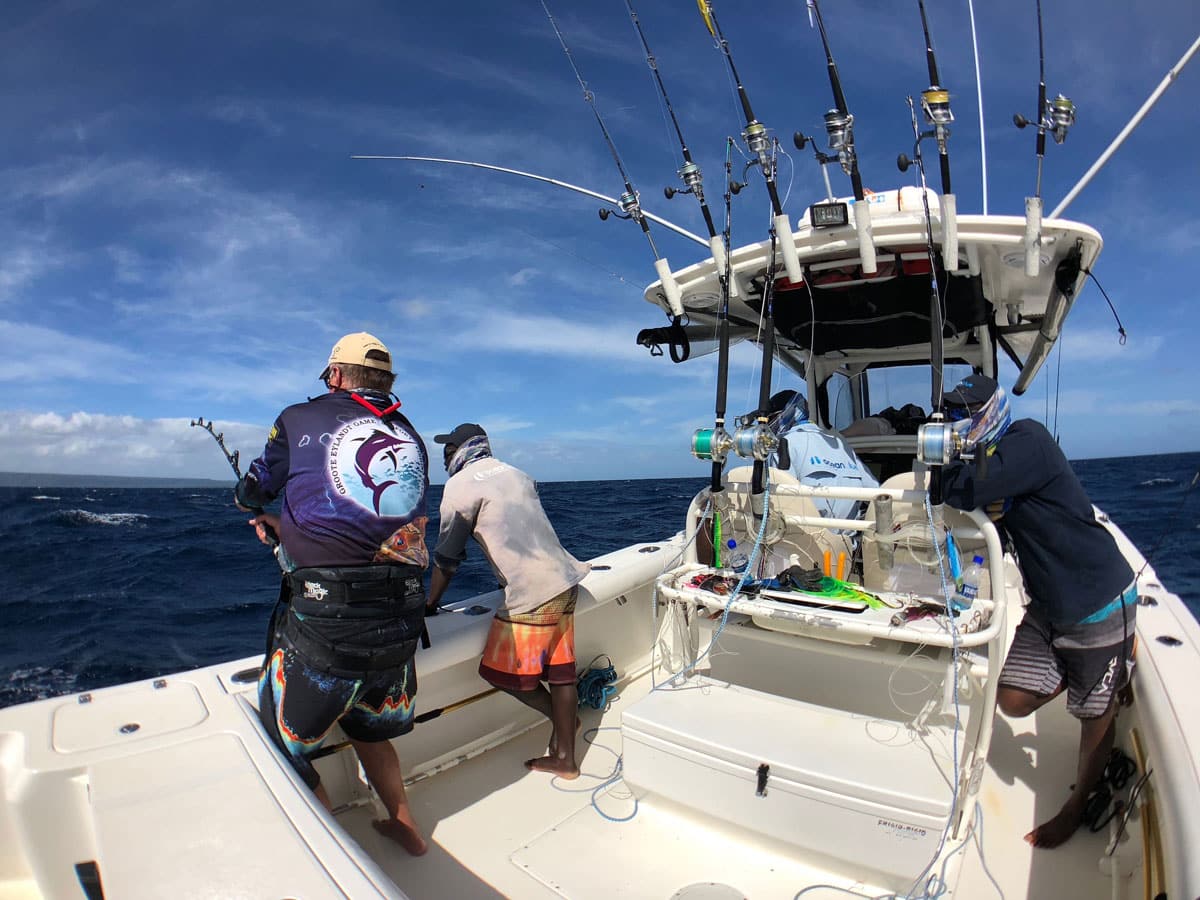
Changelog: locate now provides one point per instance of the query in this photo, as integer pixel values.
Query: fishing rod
(1055, 116)
(666, 223)
(233, 457)
(935, 104)
(935, 439)
(839, 126)
(757, 441)
(629, 203)
(715, 443)
(759, 143)
(689, 173)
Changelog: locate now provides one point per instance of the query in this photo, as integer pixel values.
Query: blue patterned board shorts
(1094, 657)
(299, 705)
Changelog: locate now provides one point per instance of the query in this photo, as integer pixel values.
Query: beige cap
(359, 349)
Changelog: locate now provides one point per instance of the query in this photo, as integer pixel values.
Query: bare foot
(1057, 830)
(403, 834)
(564, 769)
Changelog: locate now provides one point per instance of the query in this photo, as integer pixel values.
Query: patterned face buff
(987, 425)
(470, 450)
(795, 413)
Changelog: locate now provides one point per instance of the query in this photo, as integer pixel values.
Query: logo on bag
(314, 590)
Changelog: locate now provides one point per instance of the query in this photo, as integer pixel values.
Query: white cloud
(92, 444)
(522, 277)
(38, 354)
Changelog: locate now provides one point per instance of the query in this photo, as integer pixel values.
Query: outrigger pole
(629, 204)
(755, 136)
(1104, 157)
(839, 125)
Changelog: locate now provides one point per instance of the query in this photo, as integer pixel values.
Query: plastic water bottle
(968, 584)
(736, 559)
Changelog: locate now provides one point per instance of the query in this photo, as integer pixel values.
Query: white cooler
(865, 792)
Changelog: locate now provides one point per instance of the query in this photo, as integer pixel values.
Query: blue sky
(186, 234)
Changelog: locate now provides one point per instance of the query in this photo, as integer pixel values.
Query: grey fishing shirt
(498, 505)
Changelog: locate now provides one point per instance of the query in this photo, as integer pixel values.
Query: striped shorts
(1093, 658)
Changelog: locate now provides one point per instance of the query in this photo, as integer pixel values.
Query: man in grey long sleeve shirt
(532, 638)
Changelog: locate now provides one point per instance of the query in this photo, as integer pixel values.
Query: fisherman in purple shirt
(353, 474)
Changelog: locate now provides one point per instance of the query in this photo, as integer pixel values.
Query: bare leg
(1018, 703)
(1095, 744)
(561, 762)
(542, 700)
(382, 766)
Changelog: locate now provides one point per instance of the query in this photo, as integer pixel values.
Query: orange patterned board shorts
(523, 650)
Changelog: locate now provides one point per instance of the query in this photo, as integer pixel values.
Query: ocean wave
(44, 497)
(1157, 482)
(37, 683)
(83, 517)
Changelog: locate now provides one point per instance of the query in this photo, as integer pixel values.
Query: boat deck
(496, 829)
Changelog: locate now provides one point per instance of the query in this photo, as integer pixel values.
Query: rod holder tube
(787, 249)
(670, 286)
(721, 258)
(883, 526)
(949, 216)
(866, 240)
(1033, 236)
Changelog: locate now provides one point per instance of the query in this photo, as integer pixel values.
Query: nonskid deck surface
(498, 830)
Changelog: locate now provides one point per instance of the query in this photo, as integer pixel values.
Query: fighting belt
(350, 620)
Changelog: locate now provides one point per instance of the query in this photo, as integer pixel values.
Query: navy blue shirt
(353, 483)
(1071, 564)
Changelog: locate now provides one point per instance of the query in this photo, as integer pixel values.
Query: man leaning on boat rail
(1077, 632)
(353, 473)
(532, 637)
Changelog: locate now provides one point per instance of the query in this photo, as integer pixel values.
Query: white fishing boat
(755, 745)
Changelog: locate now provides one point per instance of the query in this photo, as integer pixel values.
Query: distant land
(45, 480)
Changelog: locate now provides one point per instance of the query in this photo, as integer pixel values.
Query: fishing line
(581, 258)
(630, 204)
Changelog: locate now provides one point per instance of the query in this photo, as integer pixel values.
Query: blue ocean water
(103, 585)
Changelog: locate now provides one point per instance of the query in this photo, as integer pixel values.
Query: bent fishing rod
(759, 143)
(629, 203)
(666, 223)
(233, 458)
